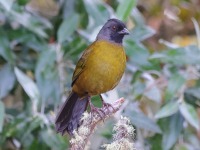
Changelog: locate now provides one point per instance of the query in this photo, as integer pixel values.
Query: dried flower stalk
(124, 132)
(81, 136)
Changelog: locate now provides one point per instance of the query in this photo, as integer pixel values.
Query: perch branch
(89, 122)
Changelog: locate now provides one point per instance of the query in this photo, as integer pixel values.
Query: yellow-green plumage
(99, 69)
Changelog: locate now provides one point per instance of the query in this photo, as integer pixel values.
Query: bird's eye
(114, 27)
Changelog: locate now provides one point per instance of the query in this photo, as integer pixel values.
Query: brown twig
(90, 121)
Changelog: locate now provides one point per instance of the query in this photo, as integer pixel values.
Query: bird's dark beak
(124, 31)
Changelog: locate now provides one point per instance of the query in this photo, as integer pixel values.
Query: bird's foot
(106, 105)
(96, 110)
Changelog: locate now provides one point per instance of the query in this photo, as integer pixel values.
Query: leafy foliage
(39, 50)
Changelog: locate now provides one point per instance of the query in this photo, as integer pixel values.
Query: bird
(99, 70)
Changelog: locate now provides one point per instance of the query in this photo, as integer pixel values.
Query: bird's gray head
(114, 31)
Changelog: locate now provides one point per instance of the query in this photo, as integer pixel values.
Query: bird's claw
(107, 106)
(98, 111)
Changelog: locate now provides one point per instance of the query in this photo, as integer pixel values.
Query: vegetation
(41, 41)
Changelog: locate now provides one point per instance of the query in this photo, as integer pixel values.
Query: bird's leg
(104, 104)
(97, 110)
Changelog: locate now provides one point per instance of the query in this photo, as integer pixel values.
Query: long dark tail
(68, 118)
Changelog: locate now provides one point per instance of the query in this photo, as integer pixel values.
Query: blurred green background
(41, 41)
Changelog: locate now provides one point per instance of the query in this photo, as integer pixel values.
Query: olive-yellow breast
(104, 65)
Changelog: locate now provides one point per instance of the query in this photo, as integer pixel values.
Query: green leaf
(142, 121)
(34, 123)
(137, 53)
(179, 56)
(192, 96)
(138, 18)
(172, 128)
(153, 93)
(53, 140)
(30, 22)
(28, 39)
(69, 8)
(47, 76)
(2, 114)
(23, 2)
(190, 114)
(5, 50)
(28, 85)
(17, 126)
(33, 23)
(124, 9)
(193, 140)
(194, 92)
(97, 10)
(37, 144)
(7, 4)
(167, 110)
(67, 27)
(74, 48)
(138, 88)
(181, 146)
(140, 33)
(175, 82)
(156, 142)
(7, 80)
